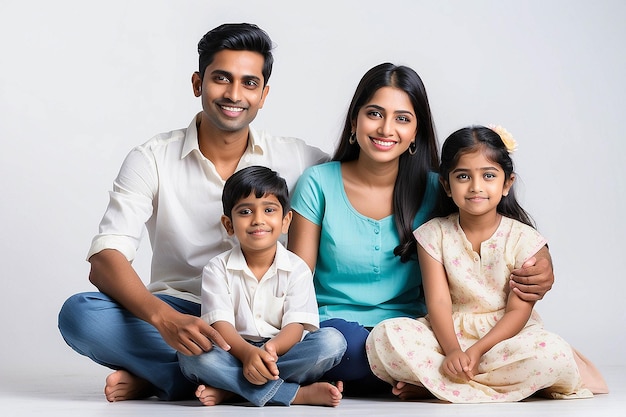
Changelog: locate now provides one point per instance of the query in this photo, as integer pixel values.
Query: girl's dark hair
(471, 139)
(236, 37)
(412, 180)
(254, 179)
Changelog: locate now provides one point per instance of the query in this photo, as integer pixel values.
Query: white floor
(68, 396)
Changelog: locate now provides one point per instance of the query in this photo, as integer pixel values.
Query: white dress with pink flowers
(405, 349)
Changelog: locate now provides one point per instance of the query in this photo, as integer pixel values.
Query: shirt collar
(237, 262)
(256, 140)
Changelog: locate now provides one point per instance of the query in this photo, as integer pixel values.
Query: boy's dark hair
(258, 180)
(236, 37)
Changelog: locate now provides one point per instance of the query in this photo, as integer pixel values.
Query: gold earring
(412, 148)
(352, 138)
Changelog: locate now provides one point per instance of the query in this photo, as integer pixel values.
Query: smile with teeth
(233, 109)
(380, 142)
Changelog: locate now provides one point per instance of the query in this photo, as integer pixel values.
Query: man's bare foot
(212, 396)
(320, 393)
(406, 391)
(122, 385)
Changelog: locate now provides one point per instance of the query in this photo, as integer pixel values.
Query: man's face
(232, 89)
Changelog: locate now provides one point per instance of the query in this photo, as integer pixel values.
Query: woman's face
(386, 125)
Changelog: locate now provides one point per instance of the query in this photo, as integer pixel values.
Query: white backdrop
(82, 82)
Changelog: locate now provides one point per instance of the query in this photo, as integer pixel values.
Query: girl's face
(386, 125)
(477, 184)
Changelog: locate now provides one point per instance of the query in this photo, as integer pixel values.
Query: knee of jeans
(72, 314)
(193, 366)
(334, 340)
(188, 366)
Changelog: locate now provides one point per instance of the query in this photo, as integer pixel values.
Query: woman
(354, 216)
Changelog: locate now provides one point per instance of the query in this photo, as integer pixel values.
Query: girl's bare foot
(122, 385)
(406, 391)
(320, 393)
(212, 396)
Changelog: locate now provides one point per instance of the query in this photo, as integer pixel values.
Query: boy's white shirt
(258, 309)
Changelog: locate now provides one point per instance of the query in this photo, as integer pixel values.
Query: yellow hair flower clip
(507, 138)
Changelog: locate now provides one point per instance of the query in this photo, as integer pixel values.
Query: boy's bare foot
(212, 396)
(122, 385)
(406, 391)
(320, 393)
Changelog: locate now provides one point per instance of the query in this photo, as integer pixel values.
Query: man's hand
(535, 278)
(189, 335)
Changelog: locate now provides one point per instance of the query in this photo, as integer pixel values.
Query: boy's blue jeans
(96, 326)
(303, 364)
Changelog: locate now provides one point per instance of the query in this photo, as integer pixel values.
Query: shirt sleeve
(308, 199)
(300, 302)
(313, 155)
(217, 304)
(130, 206)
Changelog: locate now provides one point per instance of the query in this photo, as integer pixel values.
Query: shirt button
(376, 269)
(376, 231)
(377, 247)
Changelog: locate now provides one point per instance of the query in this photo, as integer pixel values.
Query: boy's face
(257, 222)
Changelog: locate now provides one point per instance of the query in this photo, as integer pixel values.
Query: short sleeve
(217, 303)
(308, 198)
(430, 237)
(524, 242)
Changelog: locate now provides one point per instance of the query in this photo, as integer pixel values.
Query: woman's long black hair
(412, 180)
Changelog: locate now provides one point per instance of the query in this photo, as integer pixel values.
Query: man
(172, 184)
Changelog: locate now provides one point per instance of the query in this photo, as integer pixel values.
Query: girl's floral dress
(404, 349)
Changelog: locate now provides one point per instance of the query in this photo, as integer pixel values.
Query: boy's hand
(259, 366)
(271, 349)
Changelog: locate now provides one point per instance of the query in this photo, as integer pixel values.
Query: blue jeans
(303, 364)
(96, 326)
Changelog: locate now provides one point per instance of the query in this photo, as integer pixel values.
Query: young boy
(260, 298)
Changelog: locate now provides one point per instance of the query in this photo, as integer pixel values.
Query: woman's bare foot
(212, 396)
(122, 385)
(320, 393)
(406, 391)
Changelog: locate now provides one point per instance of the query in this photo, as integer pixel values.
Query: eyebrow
(230, 75)
(489, 168)
(265, 203)
(377, 107)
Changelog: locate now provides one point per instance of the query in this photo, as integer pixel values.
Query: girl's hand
(472, 368)
(455, 365)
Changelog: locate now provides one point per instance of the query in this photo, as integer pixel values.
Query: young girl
(480, 342)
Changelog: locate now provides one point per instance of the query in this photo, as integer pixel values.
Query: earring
(352, 139)
(412, 148)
